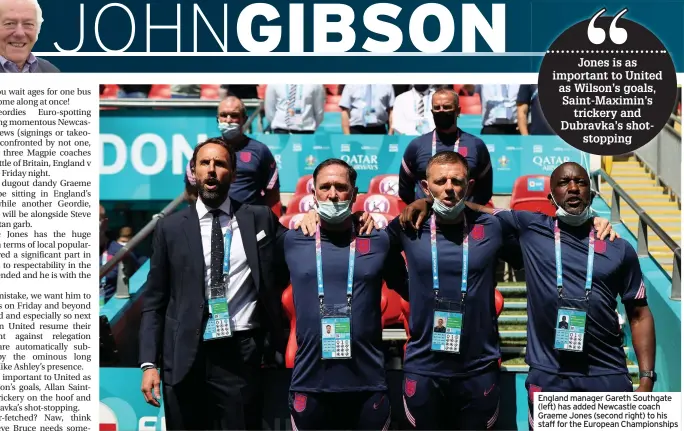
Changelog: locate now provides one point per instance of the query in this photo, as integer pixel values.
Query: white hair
(39, 14)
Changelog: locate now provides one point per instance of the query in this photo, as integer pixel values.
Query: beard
(215, 197)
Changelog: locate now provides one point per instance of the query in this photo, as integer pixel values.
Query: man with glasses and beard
(446, 137)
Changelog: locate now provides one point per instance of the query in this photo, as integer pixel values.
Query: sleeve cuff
(147, 364)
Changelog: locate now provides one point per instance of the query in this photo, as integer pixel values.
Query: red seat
(304, 185)
(377, 203)
(159, 91)
(385, 185)
(111, 91)
(470, 104)
(300, 204)
(530, 193)
(261, 91)
(382, 220)
(457, 88)
(498, 302)
(471, 109)
(289, 220)
(392, 313)
(209, 91)
(333, 89)
(287, 300)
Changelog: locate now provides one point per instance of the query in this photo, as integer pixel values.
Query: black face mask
(420, 88)
(444, 120)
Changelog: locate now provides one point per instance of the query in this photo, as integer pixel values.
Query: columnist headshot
(20, 22)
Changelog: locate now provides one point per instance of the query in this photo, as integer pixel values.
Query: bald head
(231, 107)
(571, 188)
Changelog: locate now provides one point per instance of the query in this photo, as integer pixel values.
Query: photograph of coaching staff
(20, 22)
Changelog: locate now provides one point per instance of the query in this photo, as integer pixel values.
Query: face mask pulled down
(333, 212)
(572, 219)
(448, 212)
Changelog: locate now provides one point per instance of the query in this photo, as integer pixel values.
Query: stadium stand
(530, 193)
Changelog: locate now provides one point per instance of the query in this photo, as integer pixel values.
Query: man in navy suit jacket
(212, 384)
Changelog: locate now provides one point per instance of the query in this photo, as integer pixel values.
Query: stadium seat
(377, 203)
(304, 185)
(209, 91)
(471, 110)
(159, 91)
(530, 193)
(470, 104)
(457, 88)
(289, 220)
(391, 307)
(385, 185)
(498, 302)
(261, 91)
(382, 220)
(332, 107)
(333, 89)
(287, 300)
(300, 204)
(111, 92)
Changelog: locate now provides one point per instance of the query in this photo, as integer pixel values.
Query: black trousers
(222, 391)
(292, 132)
(369, 130)
(500, 129)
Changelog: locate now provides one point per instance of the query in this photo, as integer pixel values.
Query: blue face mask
(334, 212)
(230, 131)
(572, 219)
(446, 212)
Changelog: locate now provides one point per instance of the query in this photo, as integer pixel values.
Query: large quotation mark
(597, 35)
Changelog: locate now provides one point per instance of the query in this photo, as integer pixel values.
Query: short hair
(39, 14)
(450, 157)
(351, 172)
(243, 108)
(215, 141)
(554, 175)
(448, 91)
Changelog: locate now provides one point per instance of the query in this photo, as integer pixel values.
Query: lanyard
(319, 266)
(103, 260)
(227, 241)
(434, 143)
(433, 249)
(536, 92)
(369, 97)
(559, 264)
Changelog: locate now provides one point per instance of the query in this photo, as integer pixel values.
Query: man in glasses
(446, 137)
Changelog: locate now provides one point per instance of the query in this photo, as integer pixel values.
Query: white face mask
(446, 212)
(334, 212)
(229, 130)
(572, 219)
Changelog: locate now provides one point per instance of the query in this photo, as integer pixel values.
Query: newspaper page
(199, 216)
